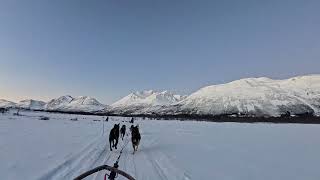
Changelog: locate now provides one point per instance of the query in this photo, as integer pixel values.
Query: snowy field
(59, 148)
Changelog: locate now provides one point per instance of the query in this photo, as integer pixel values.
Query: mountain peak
(69, 103)
(147, 98)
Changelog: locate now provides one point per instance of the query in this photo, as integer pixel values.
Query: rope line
(126, 143)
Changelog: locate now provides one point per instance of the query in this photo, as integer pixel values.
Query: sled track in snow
(158, 170)
(78, 162)
(147, 163)
(134, 167)
(162, 165)
(105, 161)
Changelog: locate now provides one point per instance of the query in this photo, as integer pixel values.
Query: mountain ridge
(261, 97)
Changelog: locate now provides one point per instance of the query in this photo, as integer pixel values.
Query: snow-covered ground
(62, 149)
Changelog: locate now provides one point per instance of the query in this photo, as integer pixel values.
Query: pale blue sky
(106, 49)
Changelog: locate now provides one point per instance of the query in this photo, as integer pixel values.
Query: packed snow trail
(88, 156)
(147, 163)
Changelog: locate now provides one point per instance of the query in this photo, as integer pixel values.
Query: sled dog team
(116, 132)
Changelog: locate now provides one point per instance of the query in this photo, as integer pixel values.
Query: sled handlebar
(103, 167)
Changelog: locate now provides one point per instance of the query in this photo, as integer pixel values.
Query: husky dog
(135, 137)
(114, 136)
(123, 131)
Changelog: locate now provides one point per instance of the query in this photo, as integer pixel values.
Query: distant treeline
(286, 118)
(304, 119)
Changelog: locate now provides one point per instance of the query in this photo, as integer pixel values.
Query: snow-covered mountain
(31, 104)
(84, 103)
(245, 97)
(136, 102)
(7, 104)
(78, 104)
(253, 96)
(58, 103)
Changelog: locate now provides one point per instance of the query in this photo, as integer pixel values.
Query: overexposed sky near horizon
(107, 49)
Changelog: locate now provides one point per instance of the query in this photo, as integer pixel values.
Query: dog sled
(113, 142)
(112, 170)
